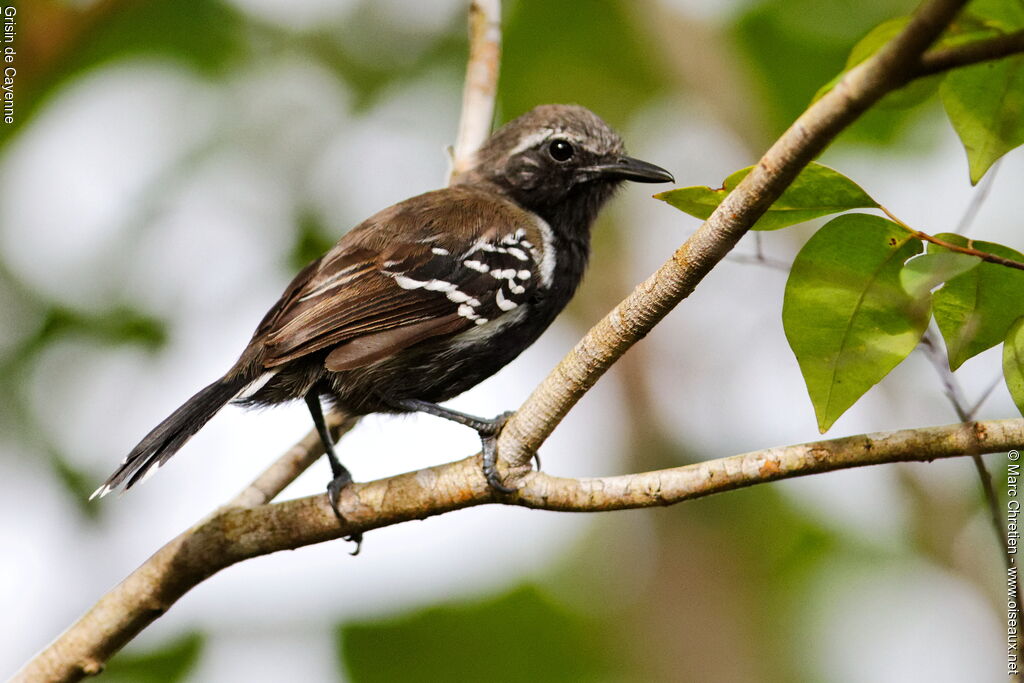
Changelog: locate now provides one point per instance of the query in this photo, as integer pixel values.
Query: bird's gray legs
(487, 429)
(342, 477)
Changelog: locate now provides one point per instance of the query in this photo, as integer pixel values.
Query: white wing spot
(440, 252)
(503, 303)
(523, 275)
(477, 266)
(467, 311)
(408, 283)
(439, 286)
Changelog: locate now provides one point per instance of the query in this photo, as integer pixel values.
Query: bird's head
(560, 161)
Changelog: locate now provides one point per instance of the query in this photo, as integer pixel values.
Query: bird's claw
(489, 449)
(334, 488)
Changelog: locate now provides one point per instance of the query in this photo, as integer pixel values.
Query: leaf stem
(970, 251)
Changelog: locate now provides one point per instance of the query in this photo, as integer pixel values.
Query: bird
(428, 297)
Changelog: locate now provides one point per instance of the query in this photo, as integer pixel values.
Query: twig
(235, 534)
(934, 351)
(996, 381)
(481, 85)
(970, 251)
(978, 199)
(974, 52)
(956, 397)
(761, 260)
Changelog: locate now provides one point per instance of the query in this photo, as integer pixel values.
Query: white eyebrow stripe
(537, 137)
(533, 140)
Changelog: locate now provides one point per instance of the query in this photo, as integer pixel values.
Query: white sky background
(73, 195)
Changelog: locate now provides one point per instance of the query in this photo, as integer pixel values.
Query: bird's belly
(435, 370)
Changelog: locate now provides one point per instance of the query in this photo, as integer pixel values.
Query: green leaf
(985, 104)
(818, 191)
(521, 635)
(1008, 15)
(974, 310)
(169, 664)
(1013, 363)
(921, 274)
(846, 316)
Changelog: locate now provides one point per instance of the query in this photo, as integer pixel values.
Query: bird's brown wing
(436, 265)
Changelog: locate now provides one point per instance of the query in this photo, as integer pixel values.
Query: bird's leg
(342, 477)
(487, 429)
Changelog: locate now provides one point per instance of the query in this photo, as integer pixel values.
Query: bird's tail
(167, 437)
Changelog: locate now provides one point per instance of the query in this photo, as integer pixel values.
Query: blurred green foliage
(168, 664)
(202, 35)
(554, 52)
(521, 636)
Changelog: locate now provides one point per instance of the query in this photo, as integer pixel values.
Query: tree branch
(481, 85)
(974, 52)
(234, 534)
(636, 316)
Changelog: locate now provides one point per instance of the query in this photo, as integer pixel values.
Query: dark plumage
(430, 296)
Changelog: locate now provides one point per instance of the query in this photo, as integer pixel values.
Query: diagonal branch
(636, 316)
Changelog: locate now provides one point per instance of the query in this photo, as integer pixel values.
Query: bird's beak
(628, 168)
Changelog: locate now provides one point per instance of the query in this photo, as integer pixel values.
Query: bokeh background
(173, 163)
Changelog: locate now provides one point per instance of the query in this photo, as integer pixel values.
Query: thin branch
(974, 52)
(970, 251)
(973, 412)
(956, 397)
(481, 85)
(761, 260)
(981, 193)
(950, 386)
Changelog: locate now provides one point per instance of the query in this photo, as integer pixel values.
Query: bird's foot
(489, 431)
(334, 488)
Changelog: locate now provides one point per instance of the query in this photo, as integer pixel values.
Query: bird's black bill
(628, 168)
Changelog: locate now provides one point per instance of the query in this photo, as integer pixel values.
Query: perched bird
(430, 296)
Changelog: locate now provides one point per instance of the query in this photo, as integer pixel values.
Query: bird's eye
(560, 150)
